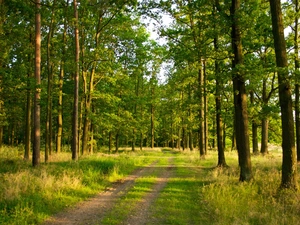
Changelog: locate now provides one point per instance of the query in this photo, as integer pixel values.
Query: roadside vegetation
(29, 195)
(196, 193)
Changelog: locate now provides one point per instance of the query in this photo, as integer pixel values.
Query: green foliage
(29, 195)
(195, 193)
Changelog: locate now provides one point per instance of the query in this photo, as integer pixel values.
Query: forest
(84, 77)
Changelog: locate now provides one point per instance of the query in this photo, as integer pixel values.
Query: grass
(142, 186)
(197, 192)
(29, 195)
(208, 195)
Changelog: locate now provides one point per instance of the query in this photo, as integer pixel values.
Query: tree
(240, 97)
(289, 167)
(50, 68)
(76, 87)
(37, 110)
(297, 85)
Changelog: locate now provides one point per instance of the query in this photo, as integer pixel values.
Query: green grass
(29, 195)
(208, 195)
(127, 203)
(197, 192)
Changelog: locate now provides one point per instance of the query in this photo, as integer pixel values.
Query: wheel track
(94, 209)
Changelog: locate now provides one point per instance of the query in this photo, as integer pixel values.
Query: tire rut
(94, 209)
(142, 214)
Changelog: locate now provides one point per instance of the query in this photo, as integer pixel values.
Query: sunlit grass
(28, 195)
(197, 193)
(204, 194)
(128, 202)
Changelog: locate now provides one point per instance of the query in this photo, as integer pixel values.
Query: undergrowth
(29, 195)
(197, 193)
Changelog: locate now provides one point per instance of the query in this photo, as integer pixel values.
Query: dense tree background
(214, 60)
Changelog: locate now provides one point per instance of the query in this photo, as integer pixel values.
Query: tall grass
(198, 193)
(28, 195)
(216, 197)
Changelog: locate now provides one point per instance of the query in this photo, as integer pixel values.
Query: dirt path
(142, 214)
(94, 210)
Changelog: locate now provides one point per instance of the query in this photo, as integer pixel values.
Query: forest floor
(180, 188)
(95, 209)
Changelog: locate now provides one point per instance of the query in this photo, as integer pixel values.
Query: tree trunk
(91, 148)
(183, 138)
(141, 141)
(60, 89)
(205, 109)
(117, 141)
(219, 122)
(191, 144)
(297, 88)
(110, 142)
(28, 120)
(201, 114)
(289, 166)
(37, 96)
(264, 136)
(254, 138)
(240, 98)
(152, 126)
(76, 88)
(48, 143)
(254, 129)
(221, 152)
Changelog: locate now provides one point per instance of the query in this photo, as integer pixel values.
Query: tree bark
(289, 166)
(240, 98)
(110, 141)
(254, 129)
(264, 122)
(219, 121)
(76, 88)
(28, 120)
(48, 143)
(205, 108)
(297, 87)
(152, 125)
(264, 136)
(60, 88)
(37, 96)
(201, 140)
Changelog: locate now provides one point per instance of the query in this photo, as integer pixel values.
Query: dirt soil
(95, 209)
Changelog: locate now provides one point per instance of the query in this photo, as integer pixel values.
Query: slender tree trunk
(297, 87)
(141, 141)
(48, 143)
(254, 129)
(224, 136)
(264, 136)
(240, 98)
(201, 114)
(183, 137)
(205, 109)
(289, 166)
(133, 140)
(152, 126)
(178, 140)
(28, 120)
(76, 88)
(117, 141)
(91, 149)
(254, 138)
(37, 96)
(60, 89)
(110, 142)
(264, 122)
(219, 121)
